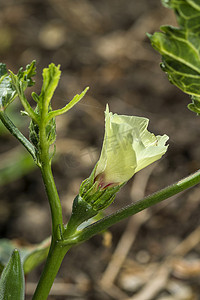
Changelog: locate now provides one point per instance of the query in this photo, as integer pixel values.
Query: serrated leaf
(12, 279)
(7, 94)
(180, 47)
(28, 73)
(7, 90)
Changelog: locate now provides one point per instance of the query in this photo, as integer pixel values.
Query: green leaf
(12, 279)
(51, 77)
(51, 131)
(180, 48)
(35, 255)
(27, 74)
(31, 256)
(8, 91)
(34, 131)
(34, 134)
(67, 107)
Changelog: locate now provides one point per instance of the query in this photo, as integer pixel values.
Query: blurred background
(103, 45)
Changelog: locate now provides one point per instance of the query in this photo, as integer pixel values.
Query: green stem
(51, 190)
(54, 260)
(54, 200)
(56, 252)
(16, 133)
(132, 209)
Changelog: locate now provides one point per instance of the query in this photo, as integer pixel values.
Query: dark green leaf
(12, 279)
(180, 47)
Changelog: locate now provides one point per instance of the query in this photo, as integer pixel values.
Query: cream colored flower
(128, 147)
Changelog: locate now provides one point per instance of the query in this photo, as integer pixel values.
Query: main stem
(54, 260)
(56, 252)
(51, 190)
(54, 200)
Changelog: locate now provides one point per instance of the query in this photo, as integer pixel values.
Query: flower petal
(127, 148)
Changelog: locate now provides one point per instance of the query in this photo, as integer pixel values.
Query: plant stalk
(54, 260)
(57, 251)
(54, 200)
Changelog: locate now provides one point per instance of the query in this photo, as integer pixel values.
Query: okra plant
(127, 148)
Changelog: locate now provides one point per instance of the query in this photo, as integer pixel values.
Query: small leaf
(12, 279)
(34, 134)
(7, 93)
(35, 97)
(51, 131)
(27, 74)
(67, 107)
(51, 77)
(8, 90)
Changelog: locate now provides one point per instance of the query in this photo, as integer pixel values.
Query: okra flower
(127, 148)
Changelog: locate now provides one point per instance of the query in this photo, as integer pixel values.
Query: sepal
(91, 200)
(81, 211)
(87, 184)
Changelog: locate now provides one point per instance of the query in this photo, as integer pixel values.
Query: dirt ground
(103, 44)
